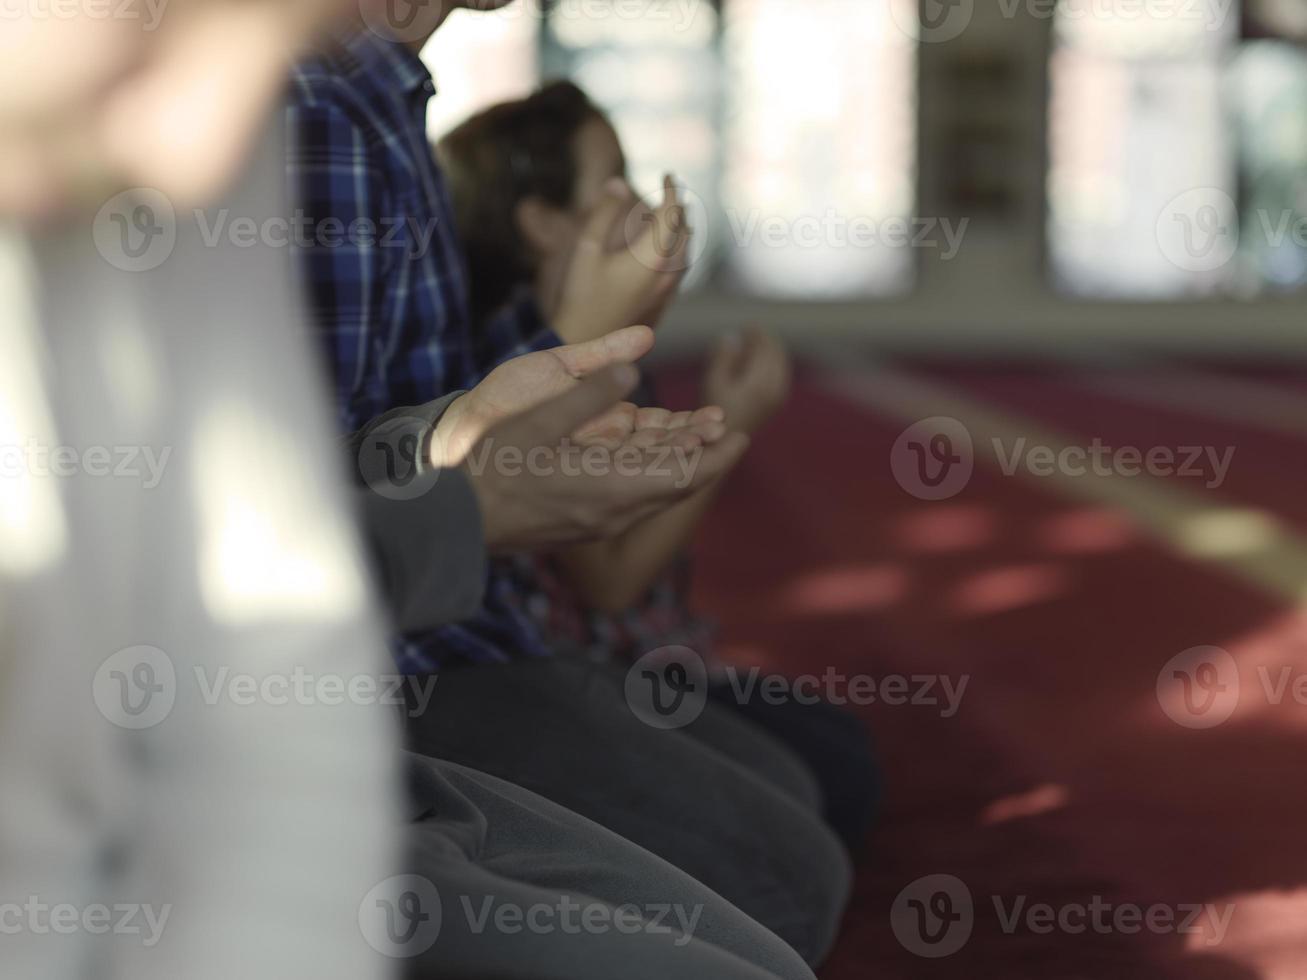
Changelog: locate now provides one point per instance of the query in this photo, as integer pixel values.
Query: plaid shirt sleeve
(518, 328)
(341, 201)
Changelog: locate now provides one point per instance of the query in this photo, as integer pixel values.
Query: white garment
(252, 832)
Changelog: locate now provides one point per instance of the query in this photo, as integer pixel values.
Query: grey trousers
(527, 890)
(721, 800)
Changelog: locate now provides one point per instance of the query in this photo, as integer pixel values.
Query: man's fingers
(708, 432)
(611, 428)
(560, 417)
(653, 418)
(650, 438)
(625, 346)
(711, 413)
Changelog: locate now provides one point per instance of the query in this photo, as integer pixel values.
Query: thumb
(724, 364)
(560, 417)
(623, 346)
(716, 460)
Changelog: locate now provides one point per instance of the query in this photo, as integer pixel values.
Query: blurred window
(479, 59)
(1178, 154)
(819, 147)
(1142, 171)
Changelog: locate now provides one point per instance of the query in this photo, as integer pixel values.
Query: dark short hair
(493, 162)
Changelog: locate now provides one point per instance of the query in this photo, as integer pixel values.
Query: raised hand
(525, 382)
(559, 490)
(749, 376)
(627, 265)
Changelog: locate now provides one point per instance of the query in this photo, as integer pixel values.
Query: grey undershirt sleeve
(423, 526)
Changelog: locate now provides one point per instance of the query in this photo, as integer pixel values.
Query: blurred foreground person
(170, 539)
(168, 95)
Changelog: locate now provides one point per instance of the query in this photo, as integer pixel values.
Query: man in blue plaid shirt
(387, 283)
(385, 275)
(386, 278)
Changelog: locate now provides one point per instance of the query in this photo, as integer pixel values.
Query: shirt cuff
(428, 549)
(394, 449)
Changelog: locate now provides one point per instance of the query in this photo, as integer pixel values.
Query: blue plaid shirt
(384, 271)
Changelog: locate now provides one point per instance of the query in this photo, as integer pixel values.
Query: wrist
(454, 434)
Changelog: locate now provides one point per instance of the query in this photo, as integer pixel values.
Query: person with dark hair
(391, 313)
(527, 179)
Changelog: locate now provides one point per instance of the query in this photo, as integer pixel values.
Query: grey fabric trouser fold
(512, 872)
(720, 799)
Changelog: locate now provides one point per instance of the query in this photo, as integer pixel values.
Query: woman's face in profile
(599, 159)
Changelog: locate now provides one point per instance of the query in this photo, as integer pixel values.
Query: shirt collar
(389, 64)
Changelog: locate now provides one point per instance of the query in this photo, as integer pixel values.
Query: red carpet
(1060, 781)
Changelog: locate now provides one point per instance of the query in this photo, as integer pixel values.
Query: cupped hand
(749, 376)
(524, 382)
(539, 486)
